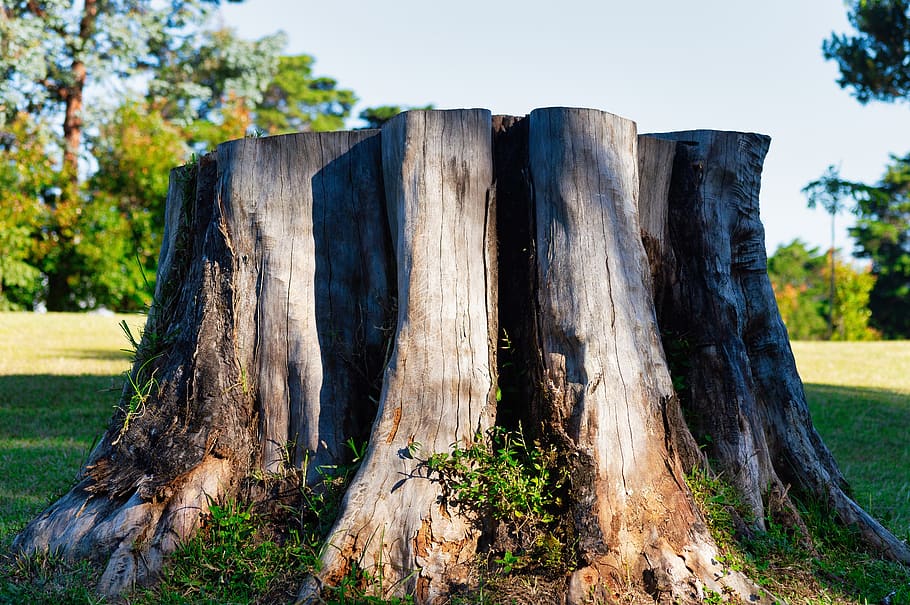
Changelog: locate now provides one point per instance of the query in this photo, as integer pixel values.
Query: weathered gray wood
(655, 170)
(272, 305)
(745, 392)
(439, 387)
(707, 244)
(147, 482)
(279, 274)
(603, 366)
(306, 220)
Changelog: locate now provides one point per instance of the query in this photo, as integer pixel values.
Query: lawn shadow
(48, 423)
(867, 431)
(98, 354)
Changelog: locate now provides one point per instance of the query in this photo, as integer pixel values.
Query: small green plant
(719, 502)
(235, 557)
(509, 561)
(144, 351)
(509, 479)
(141, 391)
(504, 477)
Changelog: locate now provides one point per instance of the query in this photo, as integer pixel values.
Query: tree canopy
(875, 61)
(98, 101)
(800, 276)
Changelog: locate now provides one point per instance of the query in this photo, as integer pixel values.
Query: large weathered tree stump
(316, 288)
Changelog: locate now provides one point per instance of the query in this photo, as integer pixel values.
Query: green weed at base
(504, 478)
(837, 568)
(235, 557)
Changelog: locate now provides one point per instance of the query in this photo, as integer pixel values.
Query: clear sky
(668, 65)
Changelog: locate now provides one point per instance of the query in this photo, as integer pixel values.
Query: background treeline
(874, 64)
(99, 99)
(801, 277)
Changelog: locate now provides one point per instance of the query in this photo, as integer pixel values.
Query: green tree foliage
(95, 243)
(800, 276)
(210, 83)
(53, 49)
(875, 62)
(794, 270)
(124, 223)
(829, 193)
(852, 300)
(375, 117)
(27, 175)
(295, 100)
(882, 234)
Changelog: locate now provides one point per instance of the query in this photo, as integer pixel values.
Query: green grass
(859, 395)
(61, 376)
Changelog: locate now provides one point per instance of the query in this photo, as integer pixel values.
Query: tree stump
(318, 288)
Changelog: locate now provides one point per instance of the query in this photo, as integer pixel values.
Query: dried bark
(744, 398)
(263, 344)
(606, 388)
(440, 384)
(274, 330)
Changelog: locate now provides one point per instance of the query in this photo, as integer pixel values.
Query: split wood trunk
(319, 288)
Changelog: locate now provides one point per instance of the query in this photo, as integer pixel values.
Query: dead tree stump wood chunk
(744, 391)
(439, 387)
(318, 288)
(603, 370)
(262, 346)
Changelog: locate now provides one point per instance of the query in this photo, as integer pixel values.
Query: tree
(124, 212)
(882, 233)
(799, 276)
(50, 53)
(296, 101)
(375, 117)
(829, 191)
(211, 82)
(852, 313)
(27, 176)
(53, 50)
(875, 63)
(324, 287)
(796, 272)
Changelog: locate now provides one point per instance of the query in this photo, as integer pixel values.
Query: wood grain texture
(655, 170)
(745, 390)
(704, 215)
(604, 369)
(305, 217)
(144, 487)
(439, 387)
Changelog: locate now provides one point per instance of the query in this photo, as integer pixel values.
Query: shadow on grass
(47, 426)
(867, 431)
(100, 354)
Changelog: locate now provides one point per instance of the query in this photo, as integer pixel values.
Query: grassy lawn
(61, 376)
(859, 394)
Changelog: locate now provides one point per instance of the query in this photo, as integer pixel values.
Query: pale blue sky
(668, 65)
